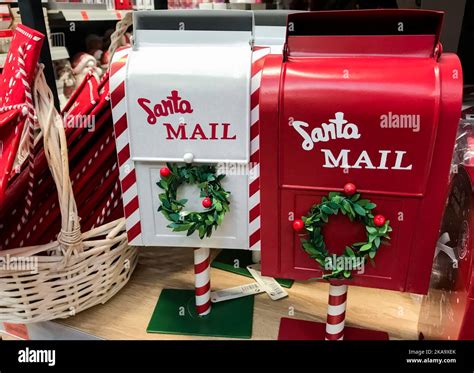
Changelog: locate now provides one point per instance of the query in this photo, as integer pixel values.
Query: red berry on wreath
(165, 172)
(349, 189)
(379, 220)
(207, 202)
(298, 225)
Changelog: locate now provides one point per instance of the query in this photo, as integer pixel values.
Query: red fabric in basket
(92, 155)
(12, 92)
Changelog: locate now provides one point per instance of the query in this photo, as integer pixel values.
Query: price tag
(269, 284)
(236, 292)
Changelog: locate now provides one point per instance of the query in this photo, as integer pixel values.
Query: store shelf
(127, 314)
(76, 15)
(57, 53)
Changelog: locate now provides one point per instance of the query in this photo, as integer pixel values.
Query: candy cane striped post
(258, 60)
(202, 261)
(128, 177)
(336, 312)
(30, 122)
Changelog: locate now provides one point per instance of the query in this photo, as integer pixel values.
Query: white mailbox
(181, 96)
(270, 29)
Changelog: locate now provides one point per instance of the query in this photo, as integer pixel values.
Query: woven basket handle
(120, 30)
(55, 149)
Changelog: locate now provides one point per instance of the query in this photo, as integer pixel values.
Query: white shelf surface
(75, 15)
(57, 53)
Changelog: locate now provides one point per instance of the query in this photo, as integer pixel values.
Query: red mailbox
(364, 98)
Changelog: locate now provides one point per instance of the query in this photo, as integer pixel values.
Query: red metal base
(293, 329)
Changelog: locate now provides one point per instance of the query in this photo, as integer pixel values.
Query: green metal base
(236, 261)
(175, 313)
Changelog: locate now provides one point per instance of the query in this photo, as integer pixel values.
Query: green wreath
(215, 199)
(377, 229)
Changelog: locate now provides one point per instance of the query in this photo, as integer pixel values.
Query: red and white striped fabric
(336, 312)
(128, 176)
(258, 60)
(202, 261)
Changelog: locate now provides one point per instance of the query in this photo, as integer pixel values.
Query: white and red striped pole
(30, 122)
(336, 312)
(202, 271)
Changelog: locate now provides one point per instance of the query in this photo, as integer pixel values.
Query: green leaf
(350, 252)
(333, 194)
(359, 210)
(327, 210)
(218, 206)
(182, 227)
(377, 241)
(174, 217)
(166, 203)
(202, 231)
(309, 247)
(372, 254)
(363, 202)
(347, 206)
(162, 197)
(371, 230)
(370, 206)
(366, 247)
(347, 274)
(333, 205)
(355, 197)
(191, 229)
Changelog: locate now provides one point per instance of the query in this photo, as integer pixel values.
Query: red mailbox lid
(364, 110)
(369, 125)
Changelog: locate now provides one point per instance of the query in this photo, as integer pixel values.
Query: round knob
(188, 157)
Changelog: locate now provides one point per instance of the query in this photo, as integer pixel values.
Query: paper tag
(269, 284)
(236, 292)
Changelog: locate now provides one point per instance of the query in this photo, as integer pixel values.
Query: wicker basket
(77, 271)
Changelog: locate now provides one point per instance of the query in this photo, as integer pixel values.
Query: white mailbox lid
(205, 61)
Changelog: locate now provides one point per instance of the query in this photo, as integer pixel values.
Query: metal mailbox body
(187, 91)
(389, 101)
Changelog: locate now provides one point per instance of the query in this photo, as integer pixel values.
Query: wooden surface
(126, 316)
